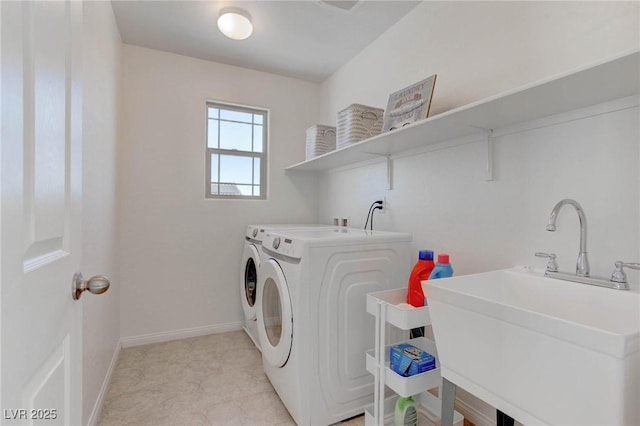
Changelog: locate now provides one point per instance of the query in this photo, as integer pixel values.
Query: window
(236, 159)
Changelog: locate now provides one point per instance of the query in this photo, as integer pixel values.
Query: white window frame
(260, 155)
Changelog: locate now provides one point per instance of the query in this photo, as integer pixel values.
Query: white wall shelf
(607, 81)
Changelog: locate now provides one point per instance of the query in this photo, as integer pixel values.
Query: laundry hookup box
(407, 360)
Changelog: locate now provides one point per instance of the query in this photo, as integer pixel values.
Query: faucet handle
(552, 266)
(618, 275)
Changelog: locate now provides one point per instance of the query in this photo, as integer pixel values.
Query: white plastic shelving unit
(384, 306)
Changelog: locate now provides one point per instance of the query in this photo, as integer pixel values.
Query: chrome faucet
(618, 278)
(582, 265)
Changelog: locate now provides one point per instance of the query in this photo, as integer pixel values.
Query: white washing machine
(249, 265)
(312, 320)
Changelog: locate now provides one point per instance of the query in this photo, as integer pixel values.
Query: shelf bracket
(389, 173)
(389, 167)
(488, 140)
(488, 173)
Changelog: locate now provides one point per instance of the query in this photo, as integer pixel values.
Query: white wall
(479, 49)
(441, 197)
(180, 253)
(101, 314)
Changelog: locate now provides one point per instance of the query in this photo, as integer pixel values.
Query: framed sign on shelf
(409, 105)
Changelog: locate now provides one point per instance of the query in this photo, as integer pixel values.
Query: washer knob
(276, 242)
(254, 232)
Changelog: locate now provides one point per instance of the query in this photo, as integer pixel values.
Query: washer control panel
(280, 244)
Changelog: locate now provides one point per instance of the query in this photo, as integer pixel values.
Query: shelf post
(381, 363)
(376, 381)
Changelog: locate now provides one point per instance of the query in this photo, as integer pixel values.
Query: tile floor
(209, 380)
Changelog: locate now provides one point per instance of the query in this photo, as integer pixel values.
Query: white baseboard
(167, 336)
(97, 407)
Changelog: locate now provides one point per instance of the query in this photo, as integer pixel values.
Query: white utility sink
(542, 350)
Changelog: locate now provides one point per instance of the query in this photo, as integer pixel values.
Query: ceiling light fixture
(235, 23)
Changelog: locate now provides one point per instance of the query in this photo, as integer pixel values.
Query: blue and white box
(407, 360)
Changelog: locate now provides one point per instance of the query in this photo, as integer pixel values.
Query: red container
(420, 272)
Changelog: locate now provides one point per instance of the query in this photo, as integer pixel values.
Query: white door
(40, 212)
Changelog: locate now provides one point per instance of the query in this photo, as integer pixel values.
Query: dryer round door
(249, 280)
(275, 316)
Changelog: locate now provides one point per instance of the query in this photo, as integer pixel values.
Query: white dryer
(312, 319)
(249, 265)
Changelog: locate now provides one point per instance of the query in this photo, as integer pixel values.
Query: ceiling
(305, 39)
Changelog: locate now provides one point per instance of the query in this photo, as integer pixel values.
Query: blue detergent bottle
(442, 269)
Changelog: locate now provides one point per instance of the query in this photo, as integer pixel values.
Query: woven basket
(358, 122)
(320, 140)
